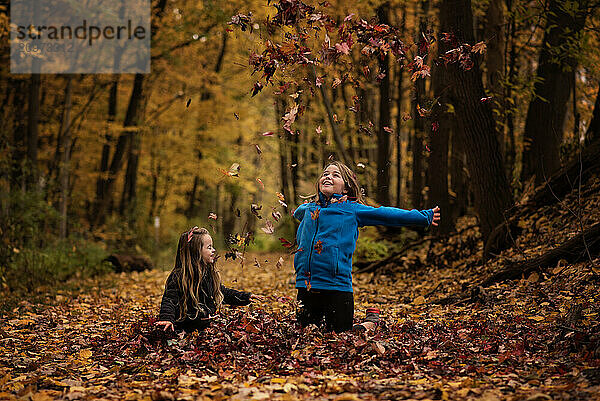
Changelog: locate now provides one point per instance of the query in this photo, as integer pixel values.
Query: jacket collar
(323, 199)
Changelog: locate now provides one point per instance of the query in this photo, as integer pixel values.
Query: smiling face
(331, 182)
(207, 252)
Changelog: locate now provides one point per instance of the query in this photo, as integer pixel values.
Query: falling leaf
(319, 82)
(406, 117)
(282, 203)
(435, 126)
(361, 165)
(279, 263)
(188, 103)
(268, 133)
(260, 182)
(336, 82)
(388, 130)
(257, 149)
(256, 88)
(342, 48)
(234, 170)
(479, 47)
(319, 130)
(276, 215)
(280, 196)
(212, 216)
(256, 263)
(485, 99)
(285, 243)
(254, 208)
(268, 228)
(427, 147)
(236, 115)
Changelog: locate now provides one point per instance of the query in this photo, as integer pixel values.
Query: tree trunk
(65, 145)
(419, 122)
(382, 195)
(593, 131)
(508, 106)
(105, 157)
(132, 119)
(33, 117)
(283, 155)
(487, 176)
(494, 59)
(546, 114)
(438, 159)
(458, 174)
(19, 134)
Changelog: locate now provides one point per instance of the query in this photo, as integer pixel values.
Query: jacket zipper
(312, 247)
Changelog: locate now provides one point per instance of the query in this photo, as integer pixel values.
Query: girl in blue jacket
(327, 238)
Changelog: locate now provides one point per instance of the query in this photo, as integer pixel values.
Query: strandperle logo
(93, 36)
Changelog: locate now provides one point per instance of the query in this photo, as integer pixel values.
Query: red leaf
(435, 126)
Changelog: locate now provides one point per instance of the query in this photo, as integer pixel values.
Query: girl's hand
(166, 325)
(436, 216)
(254, 297)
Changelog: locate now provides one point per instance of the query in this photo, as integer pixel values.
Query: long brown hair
(191, 272)
(350, 183)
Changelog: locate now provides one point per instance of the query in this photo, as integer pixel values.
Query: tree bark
(438, 158)
(65, 140)
(546, 114)
(593, 131)
(382, 194)
(419, 122)
(33, 117)
(490, 186)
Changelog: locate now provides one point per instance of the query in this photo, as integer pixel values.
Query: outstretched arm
(235, 297)
(391, 216)
(299, 212)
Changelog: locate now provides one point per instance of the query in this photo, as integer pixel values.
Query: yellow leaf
(279, 380)
(533, 277)
(537, 318)
(420, 300)
(85, 353)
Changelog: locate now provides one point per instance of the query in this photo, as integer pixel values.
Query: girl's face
(331, 181)
(207, 252)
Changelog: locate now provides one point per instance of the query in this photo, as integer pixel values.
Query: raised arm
(392, 216)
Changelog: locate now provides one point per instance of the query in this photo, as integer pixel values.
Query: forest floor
(536, 338)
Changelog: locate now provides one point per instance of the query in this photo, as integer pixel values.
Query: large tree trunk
(484, 160)
(417, 145)
(438, 159)
(494, 60)
(458, 172)
(382, 195)
(508, 106)
(546, 114)
(65, 145)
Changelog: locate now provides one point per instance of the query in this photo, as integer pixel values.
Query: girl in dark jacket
(194, 291)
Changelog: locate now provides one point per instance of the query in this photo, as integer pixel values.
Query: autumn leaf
(315, 214)
(279, 263)
(212, 216)
(342, 48)
(435, 126)
(256, 88)
(285, 243)
(318, 130)
(280, 196)
(336, 82)
(236, 115)
(319, 246)
(187, 104)
(268, 133)
(388, 130)
(268, 228)
(261, 183)
(256, 263)
(406, 117)
(479, 47)
(485, 99)
(254, 208)
(361, 165)
(257, 149)
(276, 215)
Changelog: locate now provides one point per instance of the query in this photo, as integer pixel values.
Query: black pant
(336, 308)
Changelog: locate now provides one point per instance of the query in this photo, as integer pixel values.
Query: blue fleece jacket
(327, 238)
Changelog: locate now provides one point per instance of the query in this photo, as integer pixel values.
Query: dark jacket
(327, 236)
(169, 307)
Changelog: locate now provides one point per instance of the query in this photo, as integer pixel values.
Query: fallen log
(128, 263)
(572, 251)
